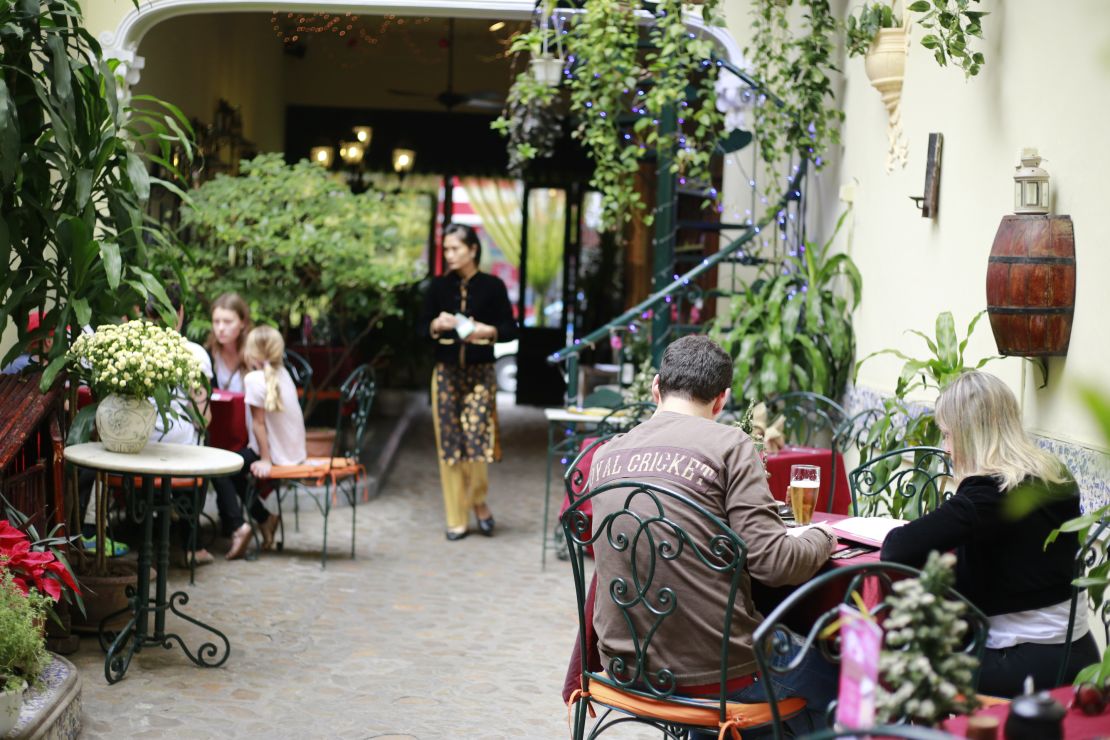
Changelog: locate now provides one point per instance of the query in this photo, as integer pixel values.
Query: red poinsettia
(40, 570)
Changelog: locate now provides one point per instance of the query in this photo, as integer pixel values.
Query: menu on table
(867, 530)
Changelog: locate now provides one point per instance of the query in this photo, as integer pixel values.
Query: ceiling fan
(449, 98)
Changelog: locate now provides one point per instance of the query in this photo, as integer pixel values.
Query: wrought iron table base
(121, 647)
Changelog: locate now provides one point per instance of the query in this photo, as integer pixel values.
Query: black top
(487, 301)
(1002, 565)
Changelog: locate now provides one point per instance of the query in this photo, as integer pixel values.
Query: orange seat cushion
(693, 712)
(177, 484)
(318, 468)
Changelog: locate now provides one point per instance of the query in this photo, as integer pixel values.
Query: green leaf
(9, 136)
(113, 262)
(81, 429)
(51, 372)
(921, 6)
(930, 41)
(140, 179)
(947, 351)
(82, 310)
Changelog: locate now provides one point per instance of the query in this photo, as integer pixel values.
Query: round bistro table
(158, 462)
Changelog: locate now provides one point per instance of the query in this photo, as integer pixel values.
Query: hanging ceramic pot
(124, 423)
(547, 69)
(885, 65)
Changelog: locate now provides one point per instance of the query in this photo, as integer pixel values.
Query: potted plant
(878, 34)
(791, 328)
(23, 654)
(135, 370)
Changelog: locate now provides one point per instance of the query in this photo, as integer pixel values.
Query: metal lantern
(351, 152)
(1030, 184)
(322, 155)
(403, 160)
(363, 134)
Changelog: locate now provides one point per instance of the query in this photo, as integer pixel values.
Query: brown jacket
(717, 467)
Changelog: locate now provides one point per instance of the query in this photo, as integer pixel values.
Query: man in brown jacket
(684, 449)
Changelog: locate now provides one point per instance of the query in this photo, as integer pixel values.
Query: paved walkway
(416, 638)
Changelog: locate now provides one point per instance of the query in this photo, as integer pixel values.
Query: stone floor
(416, 638)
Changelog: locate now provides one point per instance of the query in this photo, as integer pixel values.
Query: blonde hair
(983, 422)
(266, 347)
(231, 302)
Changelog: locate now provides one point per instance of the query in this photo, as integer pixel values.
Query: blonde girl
(1003, 564)
(231, 321)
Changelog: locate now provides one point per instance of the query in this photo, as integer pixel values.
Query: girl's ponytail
(266, 347)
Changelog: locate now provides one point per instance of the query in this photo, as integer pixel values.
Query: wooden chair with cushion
(885, 485)
(776, 635)
(649, 545)
(339, 473)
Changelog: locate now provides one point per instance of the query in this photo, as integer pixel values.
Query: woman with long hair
(465, 312)
(231, 322)
(1003, 564)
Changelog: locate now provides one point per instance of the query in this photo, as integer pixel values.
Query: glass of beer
(805, 483)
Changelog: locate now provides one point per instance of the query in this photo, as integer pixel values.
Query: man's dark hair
(694, 368)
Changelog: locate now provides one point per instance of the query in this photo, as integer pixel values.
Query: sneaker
(114, 549)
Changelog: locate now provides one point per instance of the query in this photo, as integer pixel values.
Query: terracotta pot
(319, 442)
(885, 65)
(124, 423)
(105, 595)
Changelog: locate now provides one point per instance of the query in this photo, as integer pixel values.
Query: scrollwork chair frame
(882, 479)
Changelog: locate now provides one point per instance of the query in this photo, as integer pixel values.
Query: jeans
(1004, 670)
(815, 679)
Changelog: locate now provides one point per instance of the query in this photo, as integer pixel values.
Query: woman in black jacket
(465, 312)
(1003, 565)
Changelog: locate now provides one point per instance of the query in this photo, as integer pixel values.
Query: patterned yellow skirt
(466, 412)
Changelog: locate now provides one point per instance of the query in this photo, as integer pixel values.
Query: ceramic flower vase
(10, 704)
(125, 423)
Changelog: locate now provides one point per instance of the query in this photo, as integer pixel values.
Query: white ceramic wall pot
(547, 70)
(125, 423)
(10, 704)
(885, 65)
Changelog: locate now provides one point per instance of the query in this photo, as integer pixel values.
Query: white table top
(158, 458)
(572, 415)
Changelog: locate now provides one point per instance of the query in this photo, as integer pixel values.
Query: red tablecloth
(778, 470)
(228, 428)
(1077, 726)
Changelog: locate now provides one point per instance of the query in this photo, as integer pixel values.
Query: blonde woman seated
(275, 427)
(1003, 565)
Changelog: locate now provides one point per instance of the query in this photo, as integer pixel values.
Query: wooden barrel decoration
(1031, 285)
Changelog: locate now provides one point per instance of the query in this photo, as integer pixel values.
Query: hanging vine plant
(801, 123)
(617, 93)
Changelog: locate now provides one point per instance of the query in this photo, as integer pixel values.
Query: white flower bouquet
(137, 361)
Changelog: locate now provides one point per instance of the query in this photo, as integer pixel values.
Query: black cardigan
(1002, 565)
(487, 301)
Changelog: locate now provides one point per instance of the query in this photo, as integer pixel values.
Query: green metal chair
(1091, 560)
(339, 473)
(301, 372)
(774, 637)
(882, 485)
(650, 561)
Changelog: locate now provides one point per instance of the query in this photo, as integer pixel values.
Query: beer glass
(805, 484)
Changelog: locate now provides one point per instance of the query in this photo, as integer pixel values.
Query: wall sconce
(351, 152)
(363, 134)
(403, 161)
(1030, 184)
(322, 155)
(929, 201)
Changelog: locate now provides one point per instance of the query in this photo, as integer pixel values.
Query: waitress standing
(465, 312)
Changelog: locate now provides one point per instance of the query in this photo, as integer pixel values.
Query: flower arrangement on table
(135, 370)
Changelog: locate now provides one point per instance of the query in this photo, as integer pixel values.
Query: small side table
(163, 461)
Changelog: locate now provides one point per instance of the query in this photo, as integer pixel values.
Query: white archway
(124, 43)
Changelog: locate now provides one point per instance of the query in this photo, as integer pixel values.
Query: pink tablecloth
(228, 428)
(1077, 726)
(778, 471)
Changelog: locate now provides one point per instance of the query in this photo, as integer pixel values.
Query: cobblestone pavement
(416, 638)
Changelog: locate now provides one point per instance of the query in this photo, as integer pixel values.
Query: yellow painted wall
(193, 61)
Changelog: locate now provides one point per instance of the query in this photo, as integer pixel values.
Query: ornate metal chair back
(883, 485)
(356, 396)
(1090, 579)
(623, 418)
(301, 372)
(649, 561)
(774, 638)
(578, 471)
